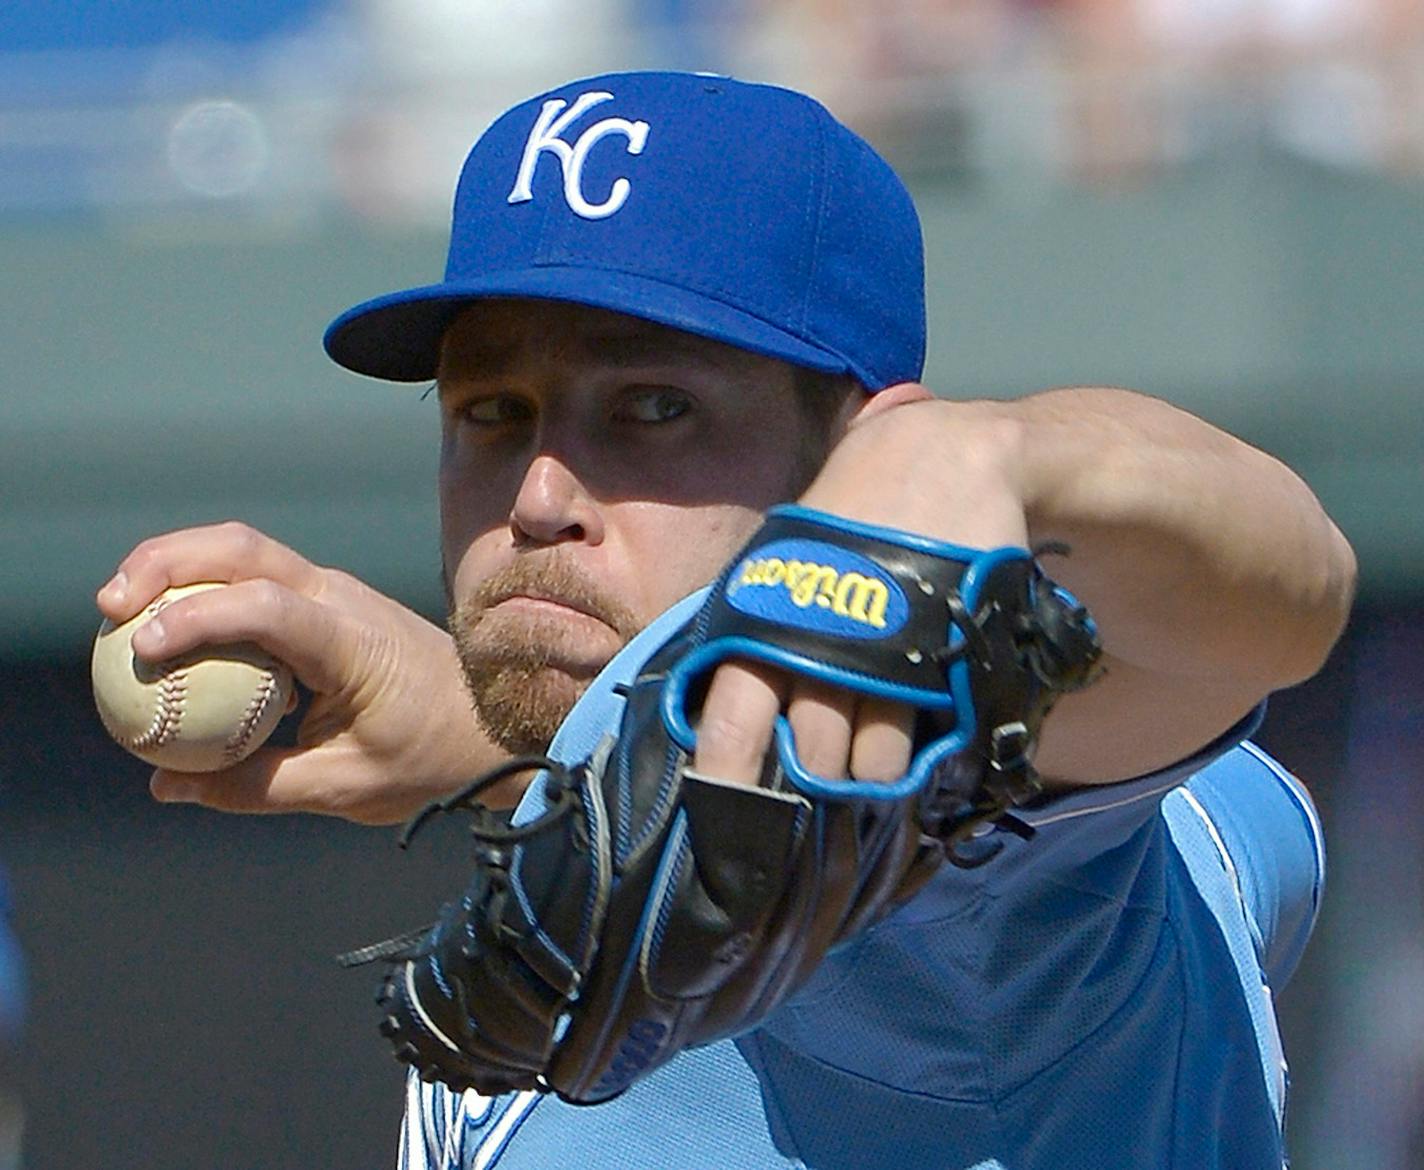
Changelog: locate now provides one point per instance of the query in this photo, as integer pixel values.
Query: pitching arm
(1213, 572)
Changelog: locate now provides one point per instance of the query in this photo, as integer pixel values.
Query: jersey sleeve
(1265, 826)
(1260, 819)
(1074, 830)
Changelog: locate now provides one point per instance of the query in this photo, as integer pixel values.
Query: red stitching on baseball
(267, 690)
(168, 714)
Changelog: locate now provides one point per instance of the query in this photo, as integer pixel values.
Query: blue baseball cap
(740, 212)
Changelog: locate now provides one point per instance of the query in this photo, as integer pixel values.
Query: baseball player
(675, 302)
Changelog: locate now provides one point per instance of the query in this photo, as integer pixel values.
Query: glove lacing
(492, 834)
(1051, 640)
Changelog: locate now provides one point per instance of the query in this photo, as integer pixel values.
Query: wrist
(950, 470)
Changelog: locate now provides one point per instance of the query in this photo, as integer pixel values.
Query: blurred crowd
(1095, 91)
(1105, 90)
(372, 102)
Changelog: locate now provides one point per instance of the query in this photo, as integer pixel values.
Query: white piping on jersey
(1028, 816)
(440, 1121)
(1273, 1063)
(492, 1144)
(421, 1127)
(1226, 862)
(1298, 793)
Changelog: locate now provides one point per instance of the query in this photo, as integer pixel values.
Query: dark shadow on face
(751, 440)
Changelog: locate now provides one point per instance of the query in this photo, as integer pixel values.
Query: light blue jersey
(1097, 997)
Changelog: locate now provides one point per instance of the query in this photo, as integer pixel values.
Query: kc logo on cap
(555, 117)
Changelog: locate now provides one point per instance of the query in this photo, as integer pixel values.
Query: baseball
(199, 712)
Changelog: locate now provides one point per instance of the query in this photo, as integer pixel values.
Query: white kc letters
(556, 117)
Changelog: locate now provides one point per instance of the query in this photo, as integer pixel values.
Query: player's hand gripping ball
(198, 712)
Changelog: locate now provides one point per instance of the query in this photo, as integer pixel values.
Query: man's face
(594, 469)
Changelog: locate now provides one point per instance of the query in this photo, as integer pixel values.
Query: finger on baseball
(821, 717)
(227, 552)
(880, 749)
(307, 635)
(734, 731)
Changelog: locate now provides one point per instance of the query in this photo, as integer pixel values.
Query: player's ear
(899, 394)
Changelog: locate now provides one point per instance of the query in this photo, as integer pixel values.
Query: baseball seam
(167, 714)
(267, 691)
(168, 709)
(171, 702)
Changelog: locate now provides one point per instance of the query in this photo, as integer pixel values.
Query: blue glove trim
(967, 570)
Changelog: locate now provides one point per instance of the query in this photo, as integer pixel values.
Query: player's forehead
(490, 337)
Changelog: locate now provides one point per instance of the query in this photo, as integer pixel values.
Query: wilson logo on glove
(817, 586)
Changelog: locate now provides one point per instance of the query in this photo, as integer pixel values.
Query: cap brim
(397, 337)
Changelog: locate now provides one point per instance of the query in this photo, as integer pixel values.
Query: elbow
(1325, 609)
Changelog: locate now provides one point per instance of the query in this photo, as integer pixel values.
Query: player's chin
(521, 707)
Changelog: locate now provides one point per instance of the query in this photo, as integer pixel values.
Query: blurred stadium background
(1220, 203)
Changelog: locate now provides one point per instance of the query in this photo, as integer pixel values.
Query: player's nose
(553, 506)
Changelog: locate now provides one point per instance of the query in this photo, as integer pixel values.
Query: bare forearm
(1202, 555)
(1212, 570)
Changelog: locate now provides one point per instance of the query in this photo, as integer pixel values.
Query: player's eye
(495, 410)
(654, 404)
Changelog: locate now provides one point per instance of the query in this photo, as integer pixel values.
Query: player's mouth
(544, 608)
(559, 634)
(553, 605)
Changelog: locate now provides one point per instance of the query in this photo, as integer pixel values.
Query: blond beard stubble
(520, 697)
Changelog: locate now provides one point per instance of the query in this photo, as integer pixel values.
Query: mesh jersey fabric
(1095, 997)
